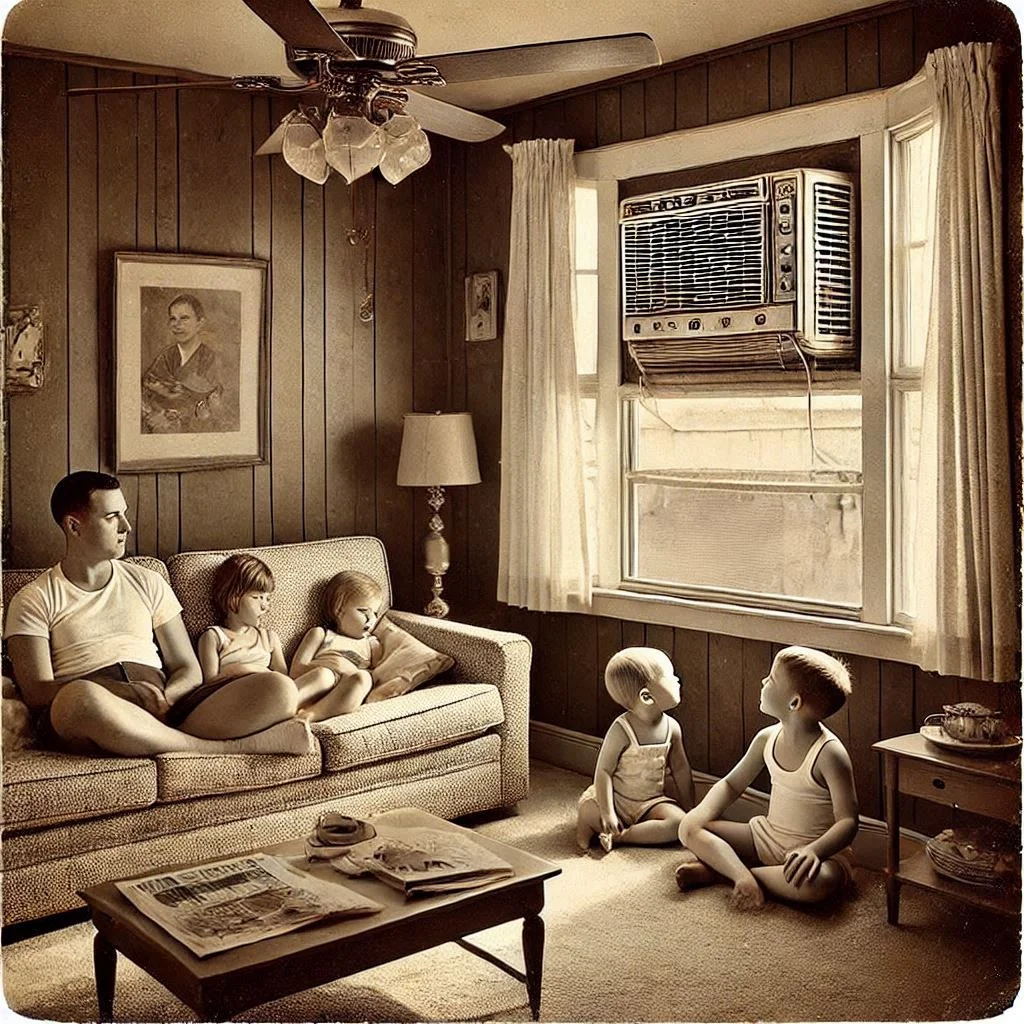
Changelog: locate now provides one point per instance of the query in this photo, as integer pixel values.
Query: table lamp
(438, 451)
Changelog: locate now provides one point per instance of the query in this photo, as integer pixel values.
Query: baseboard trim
(577, 752)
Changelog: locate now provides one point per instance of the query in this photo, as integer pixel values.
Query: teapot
(969, 722)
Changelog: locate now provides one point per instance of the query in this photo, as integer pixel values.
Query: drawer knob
(939, 783)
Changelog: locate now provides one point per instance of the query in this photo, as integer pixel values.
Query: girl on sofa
(240, 645)
(642, 783)
(341, 658)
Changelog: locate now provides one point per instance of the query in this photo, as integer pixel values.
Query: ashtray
(334, 829)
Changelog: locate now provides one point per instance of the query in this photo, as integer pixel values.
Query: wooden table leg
(892, 828)
(104, 959)
(533, 957)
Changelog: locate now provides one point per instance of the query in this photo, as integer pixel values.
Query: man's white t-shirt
(89, 629)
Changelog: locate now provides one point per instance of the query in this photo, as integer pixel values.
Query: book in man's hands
(418, 861)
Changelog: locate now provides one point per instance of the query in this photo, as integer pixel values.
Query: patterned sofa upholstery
(455, 745)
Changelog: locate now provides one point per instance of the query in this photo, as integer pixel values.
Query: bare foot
(288, 737)
(693, 873)
(747, 894)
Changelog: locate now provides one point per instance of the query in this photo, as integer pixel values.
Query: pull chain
(361, 236)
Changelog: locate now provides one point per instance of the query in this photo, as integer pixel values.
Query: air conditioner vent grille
(695, 264)
(833, 271)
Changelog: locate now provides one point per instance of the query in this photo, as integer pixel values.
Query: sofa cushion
(44, 787)
(301, 572)
(432, 716)
(181, 776)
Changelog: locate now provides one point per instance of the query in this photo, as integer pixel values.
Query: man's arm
(180, 662)
(33, 669)
(728, 789)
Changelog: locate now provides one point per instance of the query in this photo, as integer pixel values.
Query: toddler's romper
(638, 782)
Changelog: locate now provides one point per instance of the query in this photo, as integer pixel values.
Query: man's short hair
(631, 670)
(236, 576)
(72, 495)
(187, 299)
(822, 680)
(350, 585)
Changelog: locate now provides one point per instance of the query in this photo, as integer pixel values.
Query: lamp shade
(438, 450)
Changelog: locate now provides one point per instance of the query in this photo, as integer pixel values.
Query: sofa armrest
(488, 656)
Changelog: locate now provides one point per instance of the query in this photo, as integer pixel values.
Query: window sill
(890, 643)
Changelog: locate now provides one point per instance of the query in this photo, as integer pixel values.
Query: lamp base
(435, 554)
(437, 606)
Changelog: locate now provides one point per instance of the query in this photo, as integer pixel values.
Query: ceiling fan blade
(275, 140)
(199, 83)
(602, 53)
(447, 119)
(300, 25)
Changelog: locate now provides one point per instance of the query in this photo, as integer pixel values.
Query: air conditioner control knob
(760, 319)
(671, 325)
(656, 325)
(725, 321)
(694, 325)
(784, 286)
(787, 250)
(636, 328)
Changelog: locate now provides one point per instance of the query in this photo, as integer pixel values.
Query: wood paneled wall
(173, 171)
(721, 674)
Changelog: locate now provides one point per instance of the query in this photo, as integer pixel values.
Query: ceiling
(223, 37)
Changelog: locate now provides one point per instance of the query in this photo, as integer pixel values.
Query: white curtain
(543, 562)
(965, 622)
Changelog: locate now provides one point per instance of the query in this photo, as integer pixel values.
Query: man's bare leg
(85, 714)
(246, 705)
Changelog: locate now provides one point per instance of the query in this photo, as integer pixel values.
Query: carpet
(622, 945)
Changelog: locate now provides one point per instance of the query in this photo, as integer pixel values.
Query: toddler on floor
(642, 783)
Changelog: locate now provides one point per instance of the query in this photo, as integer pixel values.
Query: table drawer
(968, 792)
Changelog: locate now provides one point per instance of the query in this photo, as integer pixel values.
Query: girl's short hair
(632, 669)
(822, 680)
(348, 586)
(237, 576)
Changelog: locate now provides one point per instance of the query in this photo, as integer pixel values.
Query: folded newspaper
(213, 907)
(420, 860)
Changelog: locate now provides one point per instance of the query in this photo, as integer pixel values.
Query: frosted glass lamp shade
(352, 145)
(303, 149)
(438, 450)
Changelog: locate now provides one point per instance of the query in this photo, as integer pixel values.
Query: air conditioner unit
(740, 274)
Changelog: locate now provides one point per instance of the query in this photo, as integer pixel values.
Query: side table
(987, 786)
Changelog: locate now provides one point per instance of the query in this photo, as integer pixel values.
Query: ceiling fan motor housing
(373, 35)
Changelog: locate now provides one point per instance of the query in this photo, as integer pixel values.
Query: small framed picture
(24, 349)
(189, 381)
(482, 306)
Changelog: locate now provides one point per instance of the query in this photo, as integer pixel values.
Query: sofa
(454, 745)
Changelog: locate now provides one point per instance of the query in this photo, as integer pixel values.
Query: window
(913, 167)
(733, 507)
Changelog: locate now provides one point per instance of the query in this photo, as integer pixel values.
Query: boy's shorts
(771, 849)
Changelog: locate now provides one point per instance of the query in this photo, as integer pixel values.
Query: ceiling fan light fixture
(303, 149)
(404, 153)
(352, 145)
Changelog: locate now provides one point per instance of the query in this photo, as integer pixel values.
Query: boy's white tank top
(798, 804)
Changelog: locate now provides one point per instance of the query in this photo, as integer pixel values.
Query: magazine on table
(213, 907)
(418, 860)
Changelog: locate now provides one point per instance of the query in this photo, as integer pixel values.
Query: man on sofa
(81, 639)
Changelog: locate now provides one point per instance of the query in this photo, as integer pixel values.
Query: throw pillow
(17, 724)
(404, 657)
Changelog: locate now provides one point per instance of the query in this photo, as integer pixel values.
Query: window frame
(870, 118)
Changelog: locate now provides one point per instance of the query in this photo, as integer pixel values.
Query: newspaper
(213, 907)
(418, 861)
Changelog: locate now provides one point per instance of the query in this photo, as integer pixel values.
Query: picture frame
(482, 306)
(24, 348)
(190, 344)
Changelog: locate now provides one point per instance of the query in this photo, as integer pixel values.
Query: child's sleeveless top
(799, 806)
(638, 782)
(249, 648)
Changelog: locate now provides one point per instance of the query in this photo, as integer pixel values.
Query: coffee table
(218, 986)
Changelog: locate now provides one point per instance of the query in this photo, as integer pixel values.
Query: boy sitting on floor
(801, 849)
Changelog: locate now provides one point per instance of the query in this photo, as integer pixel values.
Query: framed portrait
(24, 348)
(189, 361)
(482, 306)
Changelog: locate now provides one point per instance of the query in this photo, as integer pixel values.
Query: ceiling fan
(357, 70)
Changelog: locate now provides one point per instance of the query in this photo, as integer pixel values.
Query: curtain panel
(543, 561)
(967, 578)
